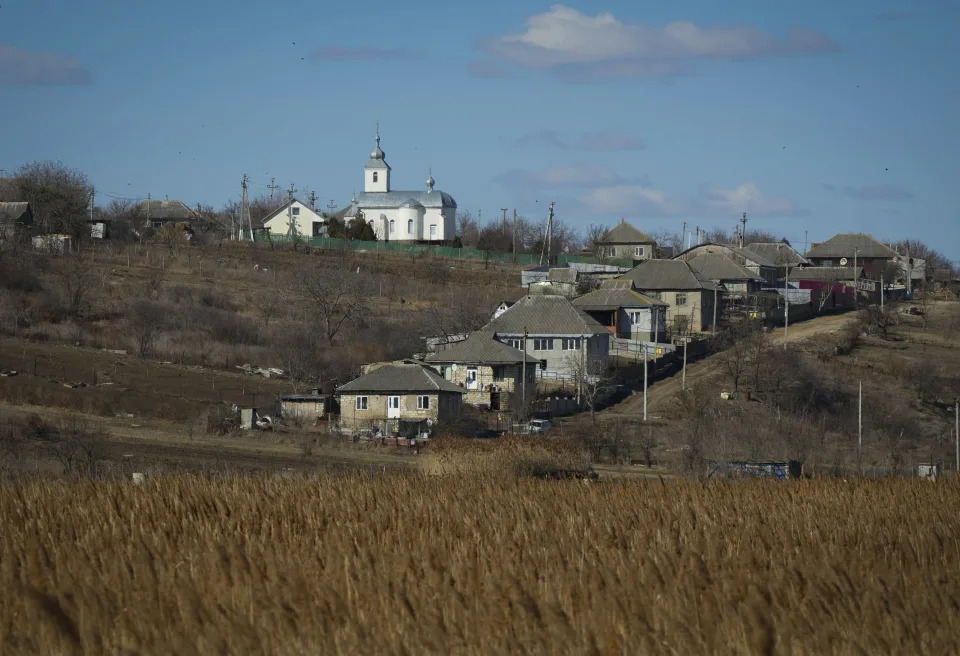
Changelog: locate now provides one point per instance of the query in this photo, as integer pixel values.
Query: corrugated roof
(545, 315)
(624, 233)
(611, 299)
(400, 378)
(18, 212)
(780, 253)
(166, 210)
(718, 267)
(481, 347)
(666, 274)
(825, 274)
(733, 252)
(844, 245)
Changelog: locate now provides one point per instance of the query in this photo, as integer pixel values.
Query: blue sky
(814, 118)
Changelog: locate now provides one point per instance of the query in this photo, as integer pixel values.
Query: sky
(813, 117)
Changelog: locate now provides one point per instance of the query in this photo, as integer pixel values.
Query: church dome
(430, 182)
(377, 152)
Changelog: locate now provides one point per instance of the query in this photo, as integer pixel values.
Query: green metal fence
(393, 247)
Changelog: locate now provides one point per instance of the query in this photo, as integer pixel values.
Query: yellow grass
(413, 564)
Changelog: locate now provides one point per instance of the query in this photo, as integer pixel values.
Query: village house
(562, 281)
(852, 250)
(307, 407)
(157, 213)
(625, 312)
(626, 242)
(780, 253)
(15, 220)
(397, 397)
(830, 287)
(552, 330)
(689, 297)
(733, 277)
(490, 371)
(752, 261)
(306, 221)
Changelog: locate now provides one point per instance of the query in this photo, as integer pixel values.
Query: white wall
(432, 216)
(382, 183)
(279, 225)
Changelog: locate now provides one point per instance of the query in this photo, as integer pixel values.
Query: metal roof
(718, 267)
(666, 274)
(15, 213)
(401, 378)
(562, 274)
(844, 245)
(166, 210)
(611, 299)
(545, 315)
(749, 257)
(780, 253)
(481, 347)
(624, 233)
(394, 199)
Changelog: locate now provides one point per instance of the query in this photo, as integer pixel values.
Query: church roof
(412, 202)
(375, 163)
(394, 199)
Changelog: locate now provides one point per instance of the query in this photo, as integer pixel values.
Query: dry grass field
(412, 564)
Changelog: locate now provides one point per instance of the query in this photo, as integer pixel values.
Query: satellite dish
(843, 261)
(429, 422)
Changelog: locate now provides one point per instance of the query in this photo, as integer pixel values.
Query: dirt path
(663, 394)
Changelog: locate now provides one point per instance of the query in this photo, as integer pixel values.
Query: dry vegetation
(464, 564)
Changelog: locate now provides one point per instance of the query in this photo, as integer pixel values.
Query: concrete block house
(398, 398)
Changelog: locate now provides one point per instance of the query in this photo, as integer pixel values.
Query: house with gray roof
(15, 219)
(305, 220)
(623, 241)
(624, 311)
(852, 250)
(555, 332)
(690, 298)
(489, 370)
(780, 253)
(389, 397)
(758, 264)
(404, 216)
(725, 271)
(157, 213)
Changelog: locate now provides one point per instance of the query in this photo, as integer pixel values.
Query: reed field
(381, 563)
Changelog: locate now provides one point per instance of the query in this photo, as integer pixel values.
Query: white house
(403, 216)
(306, 221)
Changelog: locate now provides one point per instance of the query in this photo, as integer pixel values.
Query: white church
(402, 216)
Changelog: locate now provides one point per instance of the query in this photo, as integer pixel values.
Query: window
(681, 299)
(409, 226)
(158, 224)
(374, 176)
(296, 211)
(392, 226)
(423, 403)
(613, 251)
(636, 317)
(543, 344)
(361, 403)
(393, 402)
(515, 343)
(433, 231)
(571, 343)
(641, 251)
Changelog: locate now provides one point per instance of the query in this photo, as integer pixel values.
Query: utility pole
(503, 224)
(881, 292)
(856, 251)
(786, 304)
(480, 215)
(331, 206)
(291, 225)
(523, 382)
(683, 380)
(549, 233)
(714, 310)
(273, 185)
(860, 420)
(743, 231)
(514, 234)
(148, 209)
(313, 201)
(93, 192)
(644, 382)
(245, 210)
(804, 242)
(683, 237)
(909, 272)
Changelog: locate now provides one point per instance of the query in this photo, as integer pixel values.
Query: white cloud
(710, 202)
(574, 43)
(584, 175)
(745, 198)
(20, 67)
(603, 140)
(632, 200)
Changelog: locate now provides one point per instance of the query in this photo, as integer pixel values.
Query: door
(471, 378)
(393, 407)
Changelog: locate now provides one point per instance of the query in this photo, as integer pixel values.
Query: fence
(357, 245)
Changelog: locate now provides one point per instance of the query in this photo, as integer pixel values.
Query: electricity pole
(514, 234)
(291, 225)
(786, 305)
(272, 186)
(503, 224)
(313, 201)
(683, 380)
(245, 210)
(860, 420)
(93, 192)
(523, 375)
(743, 231)
(715, 310)
(683, 237)
(644, 382)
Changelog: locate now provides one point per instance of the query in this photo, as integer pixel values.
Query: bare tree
(59, 196)
(339, 295)
(468, 229)
(171, 236)
(268, 305)
(147, 321)
(79, 283)
(300, 355)
(593, 378)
